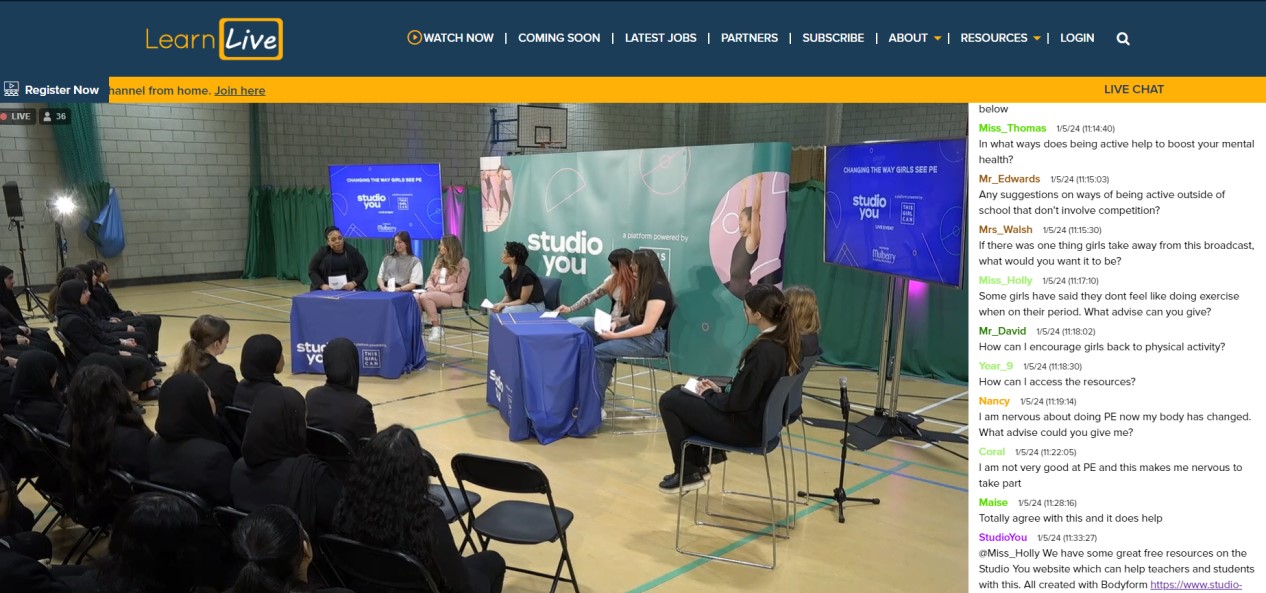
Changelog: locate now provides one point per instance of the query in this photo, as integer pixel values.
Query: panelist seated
(446, 284)
(400, 270)
(337, 265)
(524, 293)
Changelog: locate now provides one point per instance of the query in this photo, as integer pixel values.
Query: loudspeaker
(12, 200)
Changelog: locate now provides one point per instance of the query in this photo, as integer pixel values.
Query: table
(385, 326)
(542, 376)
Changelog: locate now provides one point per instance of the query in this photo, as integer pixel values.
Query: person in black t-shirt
(643, 331)
(524, 293)
(337, 260)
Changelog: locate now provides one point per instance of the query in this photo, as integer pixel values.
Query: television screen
(377, 201)
(897, 208)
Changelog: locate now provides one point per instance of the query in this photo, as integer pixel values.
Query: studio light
(63, 206)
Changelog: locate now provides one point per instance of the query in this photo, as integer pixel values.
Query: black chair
(73, 354)
(49, 473)
(236, 418)
(452, 503)
(228, 518)
(367, 569)
(197, 502)
(11, 441)
(517, 521)
(333, 449)
(96, 516)
(771, 436)
(552, 287)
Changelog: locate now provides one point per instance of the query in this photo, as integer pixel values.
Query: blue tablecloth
(541, 376)
(386, 328)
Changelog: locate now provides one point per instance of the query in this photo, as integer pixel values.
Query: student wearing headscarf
(262, 359)
(336, 406)
(337, 259)
(276, 468)
(16, 337)
(188, 452)
(8, 300)
(74, 322)
(151, 325)
(33, 393)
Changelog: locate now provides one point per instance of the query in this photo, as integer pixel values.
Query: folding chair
(236, 418)
(552, 287)
(517, 521)
(49, 476)
(634, 411)
(73, 355)
(11, 439)
(368, 569)
(97, 518)
(793, 413)
(452, 503)
(333, 449)
(197, 502)
(228, 518)
(771, 436)
(470, 315)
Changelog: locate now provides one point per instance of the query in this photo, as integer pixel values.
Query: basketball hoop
(550, 146)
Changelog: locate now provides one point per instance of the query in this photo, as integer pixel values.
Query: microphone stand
(839, 495)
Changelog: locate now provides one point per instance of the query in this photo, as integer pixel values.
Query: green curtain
(852, 303)
(79, 154)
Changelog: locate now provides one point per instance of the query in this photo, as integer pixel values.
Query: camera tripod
(33, 301)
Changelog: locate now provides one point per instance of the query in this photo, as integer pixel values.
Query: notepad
(691, 387)
(549, 315)
(601, 321)
(338, 282)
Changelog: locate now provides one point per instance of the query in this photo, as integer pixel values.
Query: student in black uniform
(209, 338)
(155, 547)
(336, 406)
(734, 414)
(262, 359)
(152, 324)
(189, 453)
(336, 259)
(34, 394)
(524, 293)
(642, 332)
(276, 467)
(105, 432)
(277, 551)
(387, 505)
(747, 249)
(75, 322)
(111, 320)
(8, 300)
(16, 337)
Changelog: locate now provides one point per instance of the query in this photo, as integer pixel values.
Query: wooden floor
(623, 537)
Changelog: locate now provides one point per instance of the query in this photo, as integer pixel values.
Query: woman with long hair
(804, 313)
(209, 338)
(262, 359)
(733, 414)
(387, 504)
(619, 285)
(276, 467)
(335, 262)
(446, 285)
(105, 431)
(156, 546)
(277, 551)
(189, 452)
(400, 265)
(643, 329)
(75, 322)
(336, 406)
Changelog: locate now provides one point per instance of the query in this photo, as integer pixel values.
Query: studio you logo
(496, 380)
(870, 206)
(580, 244)
(313, 353)
(371, 201)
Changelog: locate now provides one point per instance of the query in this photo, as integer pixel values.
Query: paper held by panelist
(487, 304)
(338, 282)
(601, 321)
(549, 315)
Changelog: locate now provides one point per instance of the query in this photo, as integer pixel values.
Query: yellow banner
(1125, 89)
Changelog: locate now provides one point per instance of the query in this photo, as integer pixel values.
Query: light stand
(33, 300)
(887, 422)
(62, 207)
(839, 495)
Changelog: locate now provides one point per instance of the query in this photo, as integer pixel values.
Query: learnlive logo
(250, 39)
(238, 39)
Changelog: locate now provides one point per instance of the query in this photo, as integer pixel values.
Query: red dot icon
(4, 116)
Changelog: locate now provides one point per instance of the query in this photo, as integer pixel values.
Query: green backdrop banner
(853, 302)
(687, 204)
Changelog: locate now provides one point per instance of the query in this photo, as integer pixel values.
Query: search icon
(1123, 39)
